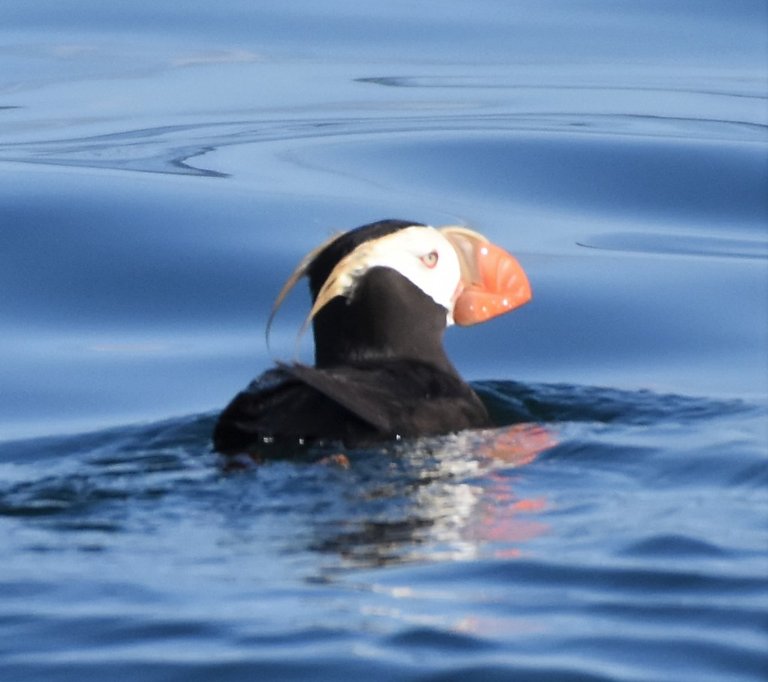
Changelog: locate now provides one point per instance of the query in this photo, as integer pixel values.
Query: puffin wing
(355, 404)
(363, 393)
(281, 409)
(398, 397)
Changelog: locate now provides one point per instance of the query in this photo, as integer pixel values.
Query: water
(162, 169)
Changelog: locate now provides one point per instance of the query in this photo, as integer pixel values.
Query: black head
(388, 316)
(389, 289)
(325, 261)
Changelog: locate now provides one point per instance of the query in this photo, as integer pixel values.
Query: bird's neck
(388, 317)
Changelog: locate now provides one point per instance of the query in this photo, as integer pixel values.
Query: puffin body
(383, 295)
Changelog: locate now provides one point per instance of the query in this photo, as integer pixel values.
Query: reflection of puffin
(383, 295)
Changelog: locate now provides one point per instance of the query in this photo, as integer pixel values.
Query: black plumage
(380, 371)
(356, 404)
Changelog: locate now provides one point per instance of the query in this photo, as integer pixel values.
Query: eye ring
(430, 259)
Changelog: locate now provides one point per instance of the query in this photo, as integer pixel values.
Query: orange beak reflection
(493, 282)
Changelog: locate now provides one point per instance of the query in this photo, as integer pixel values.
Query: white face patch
(419, 253)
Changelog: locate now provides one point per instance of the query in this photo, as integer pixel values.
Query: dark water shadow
(511, 402)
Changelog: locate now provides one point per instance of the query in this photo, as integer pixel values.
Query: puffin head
(390, 289)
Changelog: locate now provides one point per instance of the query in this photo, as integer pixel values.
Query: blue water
(163, 166)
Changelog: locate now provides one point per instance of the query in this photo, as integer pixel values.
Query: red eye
(430, 260)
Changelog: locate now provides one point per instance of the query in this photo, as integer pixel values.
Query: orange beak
(493, 281)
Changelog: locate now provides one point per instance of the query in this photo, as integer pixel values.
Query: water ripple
(180, 149)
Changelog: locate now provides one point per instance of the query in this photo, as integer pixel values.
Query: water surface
(163, 168)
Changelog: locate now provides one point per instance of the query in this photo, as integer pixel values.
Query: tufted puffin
(383, 295)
